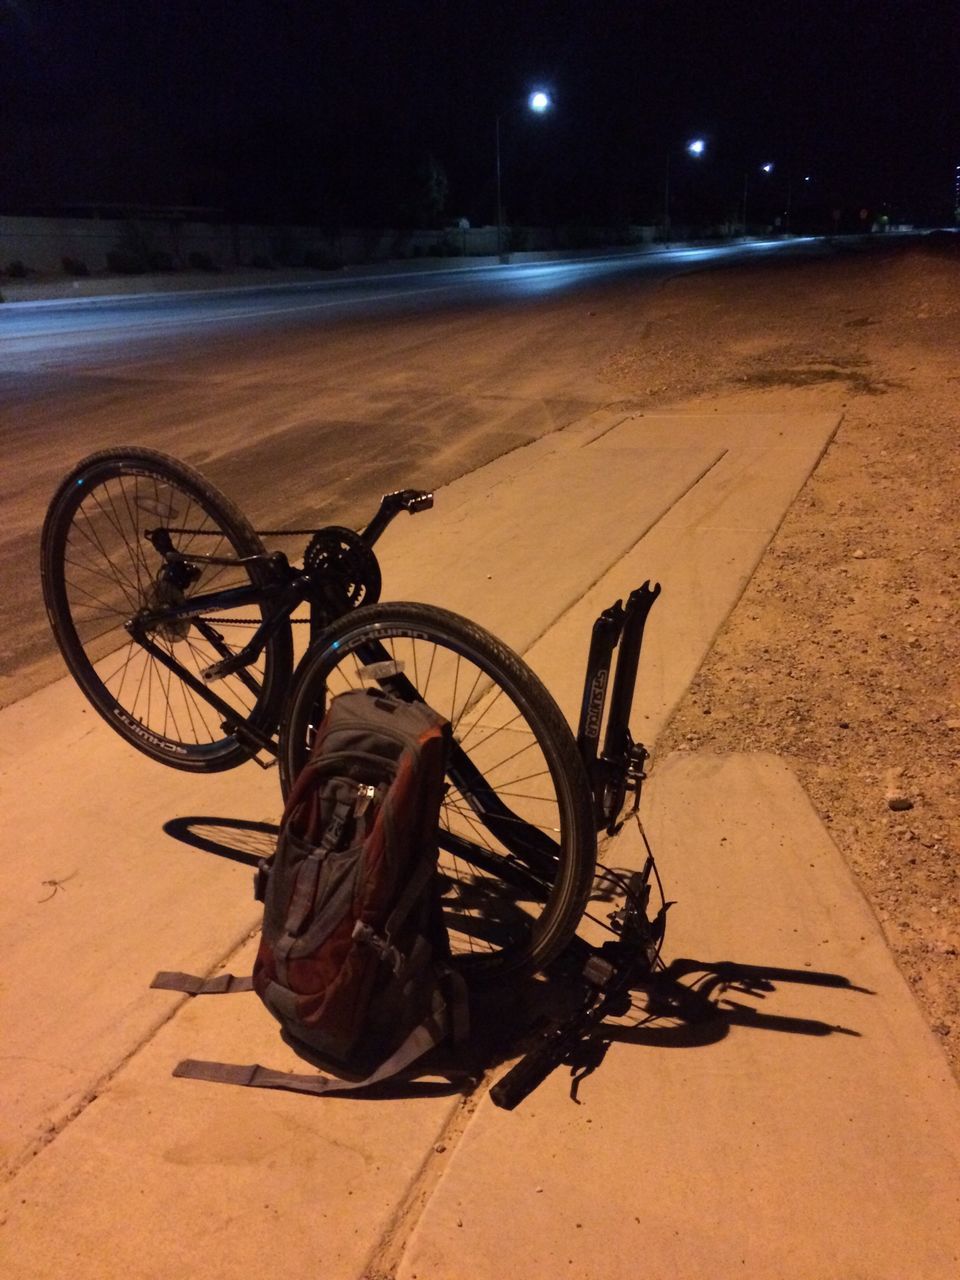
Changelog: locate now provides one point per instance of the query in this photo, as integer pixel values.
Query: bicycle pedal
(598, 971)
(253, 743)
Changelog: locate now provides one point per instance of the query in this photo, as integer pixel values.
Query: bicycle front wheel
(99, 569)
(517, 836)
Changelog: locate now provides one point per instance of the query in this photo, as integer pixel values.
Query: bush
(515, 239)
(321, 259)
(16, 270)
(124, 263)
(160, 260)
(284, 248)
(261, 262)
(199, 260)
(129, 257)
(74, 266)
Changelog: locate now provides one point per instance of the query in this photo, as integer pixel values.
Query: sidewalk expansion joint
(385, 1258)
(90, 1095)
(626, 551)
(552, 441)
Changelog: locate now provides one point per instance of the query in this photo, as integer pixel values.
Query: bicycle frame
(619, 768)
(283, 595)
(612, 772)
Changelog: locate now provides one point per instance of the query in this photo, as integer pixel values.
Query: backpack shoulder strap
(448, 1014)
(193, 985)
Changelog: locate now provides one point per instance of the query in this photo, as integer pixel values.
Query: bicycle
(149, 574)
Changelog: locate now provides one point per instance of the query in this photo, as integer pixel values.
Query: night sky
(347, 113)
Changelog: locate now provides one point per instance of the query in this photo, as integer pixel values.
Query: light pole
(764, 168)
(538, 101)
(695, 148)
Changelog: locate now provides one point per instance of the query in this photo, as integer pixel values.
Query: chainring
(344, 566)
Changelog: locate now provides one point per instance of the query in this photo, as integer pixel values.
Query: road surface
(305, 403)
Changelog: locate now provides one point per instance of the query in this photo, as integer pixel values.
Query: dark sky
(333, 109)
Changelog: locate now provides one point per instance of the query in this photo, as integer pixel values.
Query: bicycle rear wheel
(517, 836)
(99, 569)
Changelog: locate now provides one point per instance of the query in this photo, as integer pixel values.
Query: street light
(767, 167)
(538, 102)
(695, 148)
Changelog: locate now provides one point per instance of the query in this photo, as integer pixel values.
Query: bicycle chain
(250, 622)
(261, 533)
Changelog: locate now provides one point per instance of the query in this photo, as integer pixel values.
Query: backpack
(353, 953)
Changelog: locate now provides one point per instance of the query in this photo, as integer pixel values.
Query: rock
(859, 554)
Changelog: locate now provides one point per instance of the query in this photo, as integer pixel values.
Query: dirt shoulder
(843, 654)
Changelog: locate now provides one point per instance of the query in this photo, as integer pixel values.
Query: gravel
(843, 654)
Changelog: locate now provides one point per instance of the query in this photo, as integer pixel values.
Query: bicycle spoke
(111, 517)
(499, 743)
(126, 585)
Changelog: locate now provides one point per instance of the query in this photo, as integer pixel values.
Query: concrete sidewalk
(809, 1129)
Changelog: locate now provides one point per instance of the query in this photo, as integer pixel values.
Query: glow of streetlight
(768, 167)
(696, 147)
(539, 101)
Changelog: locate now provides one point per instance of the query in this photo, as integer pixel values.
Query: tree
(428, 197)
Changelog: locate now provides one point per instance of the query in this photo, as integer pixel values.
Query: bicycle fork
(619, 767)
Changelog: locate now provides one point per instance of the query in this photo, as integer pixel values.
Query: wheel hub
(166, 595)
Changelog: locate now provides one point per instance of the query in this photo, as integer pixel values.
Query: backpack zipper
(365, 797)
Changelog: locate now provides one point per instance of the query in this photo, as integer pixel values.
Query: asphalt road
(305, 403)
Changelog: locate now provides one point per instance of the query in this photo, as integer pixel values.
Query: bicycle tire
(98, 570)
(517, 833)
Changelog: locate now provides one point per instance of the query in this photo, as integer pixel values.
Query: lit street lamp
(695, 148)
(538, 101)
(764, 168)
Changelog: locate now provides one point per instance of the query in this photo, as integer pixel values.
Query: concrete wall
(40, 245)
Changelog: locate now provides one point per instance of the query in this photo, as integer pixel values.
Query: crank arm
(412, 500)
(250, 736)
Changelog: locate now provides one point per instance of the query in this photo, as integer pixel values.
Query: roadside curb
(92, 289)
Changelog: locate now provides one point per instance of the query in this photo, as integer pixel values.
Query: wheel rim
(109, 571)
(498, 877)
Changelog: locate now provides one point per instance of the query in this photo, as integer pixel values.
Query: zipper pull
(365, 795)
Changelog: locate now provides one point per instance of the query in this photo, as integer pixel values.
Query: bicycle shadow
(235, 839)
(688, 1003)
